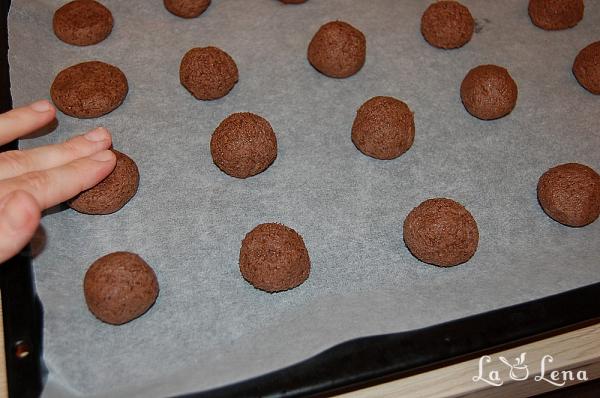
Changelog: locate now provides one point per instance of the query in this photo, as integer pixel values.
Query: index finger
(25, 120)
(53, 186)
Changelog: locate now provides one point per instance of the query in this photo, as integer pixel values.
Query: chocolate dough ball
(586, 68)
(119, 287)
(337, 49)
(112, 193)
(82, 22)
(488, 92)
(555, 14)
(384, 128)
(208, 73)
(293, 1)
(441, 232)
(447, 24)
(243, 145)
(570, 194)
(187, 8)
(273, 258)
(89, 89)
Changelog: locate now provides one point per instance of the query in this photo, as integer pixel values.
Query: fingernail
(102, 156)
(14, 215)
(96, 135)
(41, 106)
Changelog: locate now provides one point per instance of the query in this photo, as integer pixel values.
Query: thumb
(19, 218)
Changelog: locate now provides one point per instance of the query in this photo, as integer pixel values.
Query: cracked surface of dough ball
(243, 145)
(120, 287)
(337, 50)
(555, 14)
(82, 22)
(489, 92)
(447, 24)
(274, 258)
(112, 193)
(384, 128)
(186, 8)
(570, 194)
(586, 68)
(89, 89)
(441, 232)
(208, 73)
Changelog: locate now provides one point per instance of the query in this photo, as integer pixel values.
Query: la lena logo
(519, 371)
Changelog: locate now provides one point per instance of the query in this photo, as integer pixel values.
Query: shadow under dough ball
(586, 68)
(112, 193)
(208, 73)
(570, 194)
(441, 232)
(186, 8)
(120, 287)
(555, 14)
(243, 145)
(274, 258)
(82, 22)
(89, 89)
(488, 92)
(337, 50)
(447, 24)
(384, 128)
(293, 1)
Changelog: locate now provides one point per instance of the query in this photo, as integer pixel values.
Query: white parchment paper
(209, 327)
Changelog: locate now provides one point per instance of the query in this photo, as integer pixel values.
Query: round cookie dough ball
(119, 287)
(112, 193)
(89, 89)
(243, 145)
(82, 22)
(488, 92)
(555, 14)
(384, 128)
(274, 258)
(586, 68)
(441, 232)
(337, 50)
(570, 194)
(208, 73)
(447, 24)
(186, 8)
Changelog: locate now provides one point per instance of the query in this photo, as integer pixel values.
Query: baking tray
(359, 361)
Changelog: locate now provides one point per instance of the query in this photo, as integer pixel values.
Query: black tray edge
(369, 360)
(21, 309)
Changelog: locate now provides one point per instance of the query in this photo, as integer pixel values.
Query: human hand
(35, 179)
